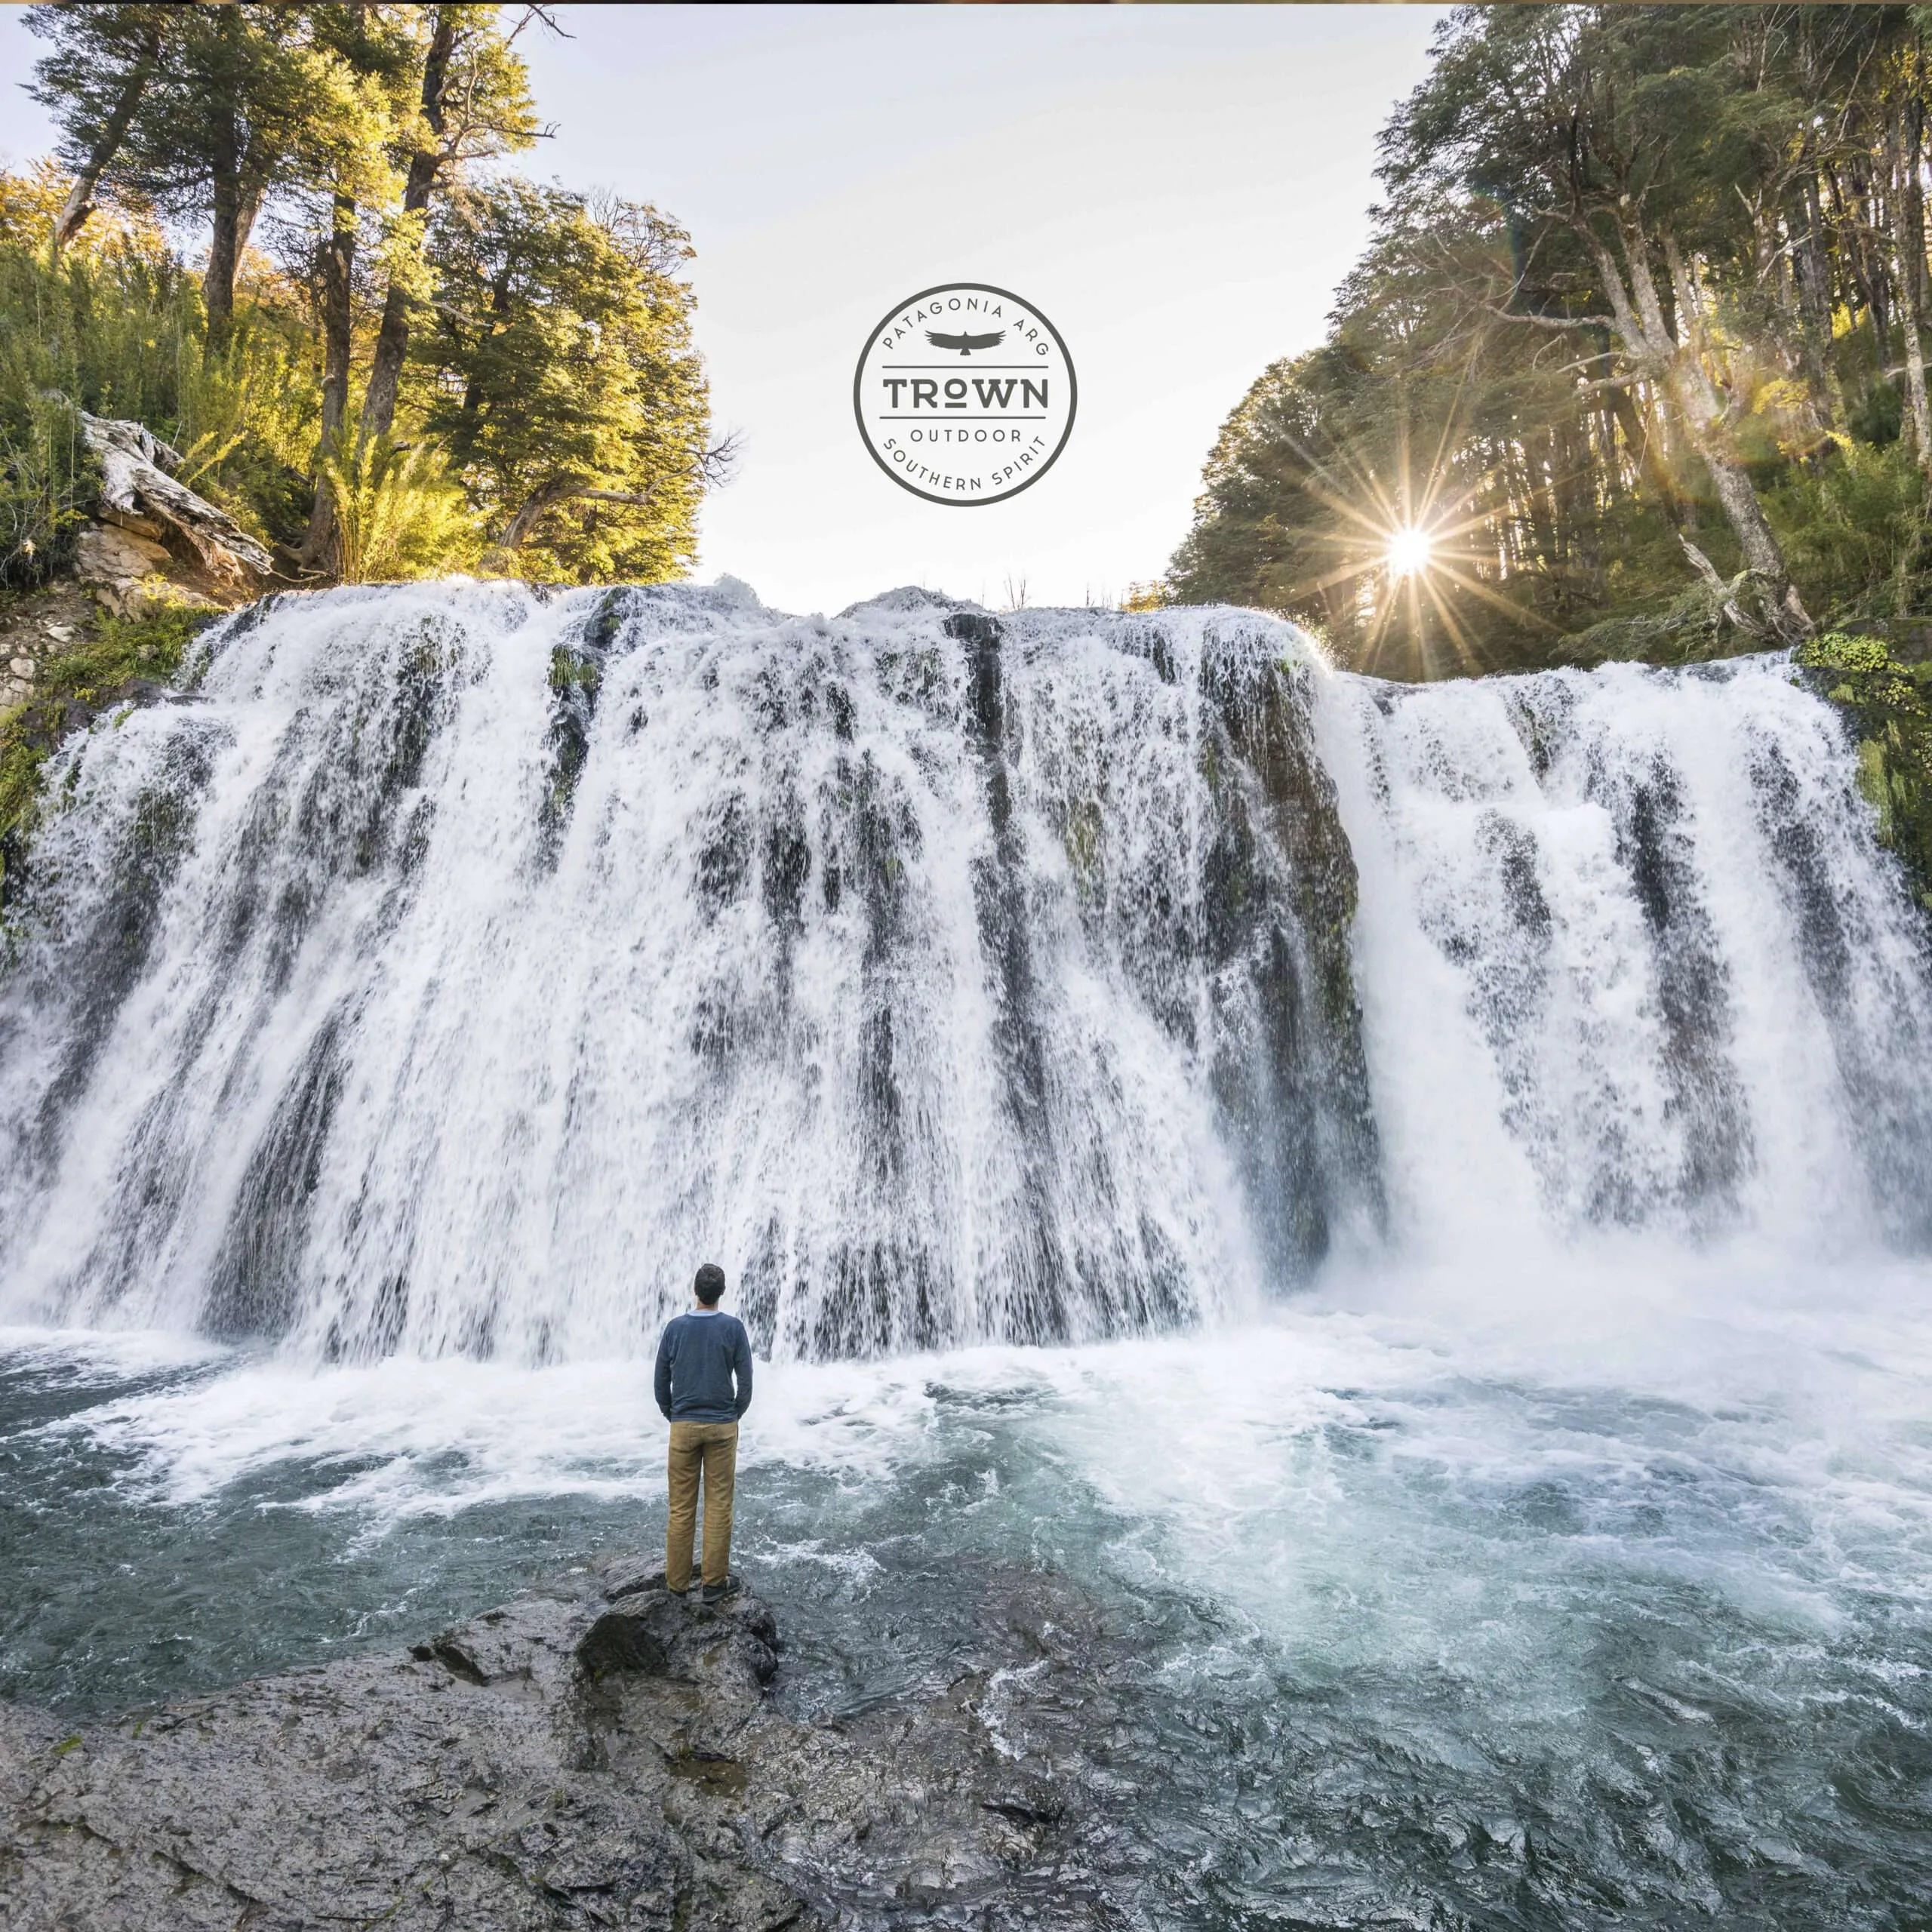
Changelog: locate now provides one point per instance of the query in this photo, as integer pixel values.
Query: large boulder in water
(595, 1754)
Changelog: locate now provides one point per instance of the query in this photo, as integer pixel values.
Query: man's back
(699, 1360)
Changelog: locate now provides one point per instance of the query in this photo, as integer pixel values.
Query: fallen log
(134, 464)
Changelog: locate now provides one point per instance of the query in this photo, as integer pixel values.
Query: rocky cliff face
(597, 1754)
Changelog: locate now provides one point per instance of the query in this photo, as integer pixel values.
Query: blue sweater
(698, 1362)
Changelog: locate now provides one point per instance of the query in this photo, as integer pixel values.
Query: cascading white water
(461, 964)
(1631, 957)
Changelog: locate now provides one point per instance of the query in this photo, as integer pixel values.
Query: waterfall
(450, 968)
(1631, 958)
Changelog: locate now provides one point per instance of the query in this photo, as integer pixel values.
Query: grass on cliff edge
(110, 663)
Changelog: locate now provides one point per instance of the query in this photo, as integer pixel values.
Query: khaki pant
(713, 1447)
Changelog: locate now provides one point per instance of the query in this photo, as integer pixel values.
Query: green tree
(472, 103)
(237, 101)
(371, 404)
(1275, 526)
(560, 374)
(381, 46)
(1747, 183)
(94, 80)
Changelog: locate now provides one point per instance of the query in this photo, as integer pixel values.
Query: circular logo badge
(964, 394)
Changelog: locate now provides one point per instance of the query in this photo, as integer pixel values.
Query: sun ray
(1413, 552)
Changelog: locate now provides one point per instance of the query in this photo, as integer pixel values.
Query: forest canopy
(1633, 365)
(286, 239)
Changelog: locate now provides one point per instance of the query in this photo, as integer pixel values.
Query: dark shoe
(718, 1592)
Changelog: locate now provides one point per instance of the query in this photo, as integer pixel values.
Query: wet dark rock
(1000, 897)
(597, 1754)
(1289, 1069)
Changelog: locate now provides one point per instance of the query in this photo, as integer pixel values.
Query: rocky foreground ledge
(597, 1754)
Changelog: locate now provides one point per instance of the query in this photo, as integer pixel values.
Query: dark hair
(710, 1283)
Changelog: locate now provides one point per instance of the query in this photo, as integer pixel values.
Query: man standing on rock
(703, 1355)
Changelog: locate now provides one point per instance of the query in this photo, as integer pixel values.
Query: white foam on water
(83, 1356)
(1424, 1472)
(437, 1438)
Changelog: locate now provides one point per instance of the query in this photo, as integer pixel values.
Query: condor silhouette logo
(964, 394)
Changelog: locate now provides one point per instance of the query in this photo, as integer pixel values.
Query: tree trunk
(133, 480)
(232, 216)
(546, 496)
(1884, 306)
(1651, 344)
(1643, 451)
(1815, 297)
(1580, 511)
(336, 259)
(1617, 481)
(392, 338)
(1914, 197)
(237, 202)
(245, 224)
(1903, 143)
(1535, 502)
(1738, 495)
(1707, 418)
(224, 250)
(80, 199)
(1869, 273)
(1776, 238)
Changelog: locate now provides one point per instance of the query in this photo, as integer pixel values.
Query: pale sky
(1180, 189)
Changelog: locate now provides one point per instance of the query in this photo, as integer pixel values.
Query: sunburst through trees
(1638, 346)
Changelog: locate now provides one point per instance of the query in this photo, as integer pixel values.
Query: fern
(399, 515)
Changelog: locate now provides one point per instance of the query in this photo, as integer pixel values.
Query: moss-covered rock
(1886, 704)
(115, 661)
(1708, 620)
(576, 682)
(1689, 629)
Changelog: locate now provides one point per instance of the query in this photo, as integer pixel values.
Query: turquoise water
(1399, 1622)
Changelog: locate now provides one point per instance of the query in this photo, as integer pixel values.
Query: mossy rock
(120, 660)
(1886, 703)
(577, 682)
